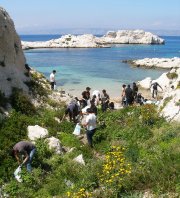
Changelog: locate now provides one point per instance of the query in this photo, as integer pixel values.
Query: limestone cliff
(12, 61)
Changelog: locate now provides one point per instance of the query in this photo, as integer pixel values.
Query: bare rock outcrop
(165, 63)
(91, 41)
(169, 106)
(12, 60)
(130, 37)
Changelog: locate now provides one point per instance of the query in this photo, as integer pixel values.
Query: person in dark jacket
(155, 86)
(135, 90)
(73, 110)
(26, 149)
(129, 95)
(104, 100)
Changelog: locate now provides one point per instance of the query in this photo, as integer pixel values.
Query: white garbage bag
(77, 129)
(17, 174)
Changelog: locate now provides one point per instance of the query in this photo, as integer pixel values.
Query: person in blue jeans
(90, 126)
(24, 152)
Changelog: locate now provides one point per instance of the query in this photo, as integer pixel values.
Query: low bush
(172, 75)
(21, 103)
(151, 147)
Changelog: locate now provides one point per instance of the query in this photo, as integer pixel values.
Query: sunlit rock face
(12, 61)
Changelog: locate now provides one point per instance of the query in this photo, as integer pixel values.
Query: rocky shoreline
(91, 41)
(164, 63)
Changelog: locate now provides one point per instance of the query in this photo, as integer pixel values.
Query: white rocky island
(91, 41)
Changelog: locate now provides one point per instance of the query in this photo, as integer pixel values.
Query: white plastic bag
(77, 129)
(17, 174)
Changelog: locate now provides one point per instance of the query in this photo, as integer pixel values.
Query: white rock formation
(79, 159)
(157, 62)
(145, 83)
(12, 60)
(67, 41)
(55, 144)
(170, 104)
(163, 81)
(130, 37)
(90, 41)
(36, 132)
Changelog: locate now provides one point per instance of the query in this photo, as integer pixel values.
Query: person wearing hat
(90, 125)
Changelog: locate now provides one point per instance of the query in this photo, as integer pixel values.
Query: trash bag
(17, 174)
(77, 129)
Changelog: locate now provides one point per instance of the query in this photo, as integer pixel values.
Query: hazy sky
(36, 16)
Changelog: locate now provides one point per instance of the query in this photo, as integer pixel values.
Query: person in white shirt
(52, 79)
(96, 95)
(90, 125)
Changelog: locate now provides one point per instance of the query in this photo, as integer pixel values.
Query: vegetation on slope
(135, 150)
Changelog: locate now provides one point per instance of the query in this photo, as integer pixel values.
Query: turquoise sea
(99, 68)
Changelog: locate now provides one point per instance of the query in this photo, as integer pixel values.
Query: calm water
(98, 68)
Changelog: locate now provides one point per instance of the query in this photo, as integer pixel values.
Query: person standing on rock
(155, 86)
(90, 125)
(24, 151)
(52, 80)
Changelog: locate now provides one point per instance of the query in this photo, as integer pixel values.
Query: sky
(55, 16)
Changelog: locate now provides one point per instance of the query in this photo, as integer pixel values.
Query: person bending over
(24, 152)
(73, 110)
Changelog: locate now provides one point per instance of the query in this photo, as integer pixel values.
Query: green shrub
(66, 127)
(21, 103)
(172, 75)
(12, 130)
(178, 85)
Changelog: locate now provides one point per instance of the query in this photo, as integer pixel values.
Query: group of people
(130, 95)
(85, 110)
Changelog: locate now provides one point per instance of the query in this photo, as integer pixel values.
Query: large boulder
(145, 83)
(12, 60)
(55, 144)
(36, 132)
(170, 105)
